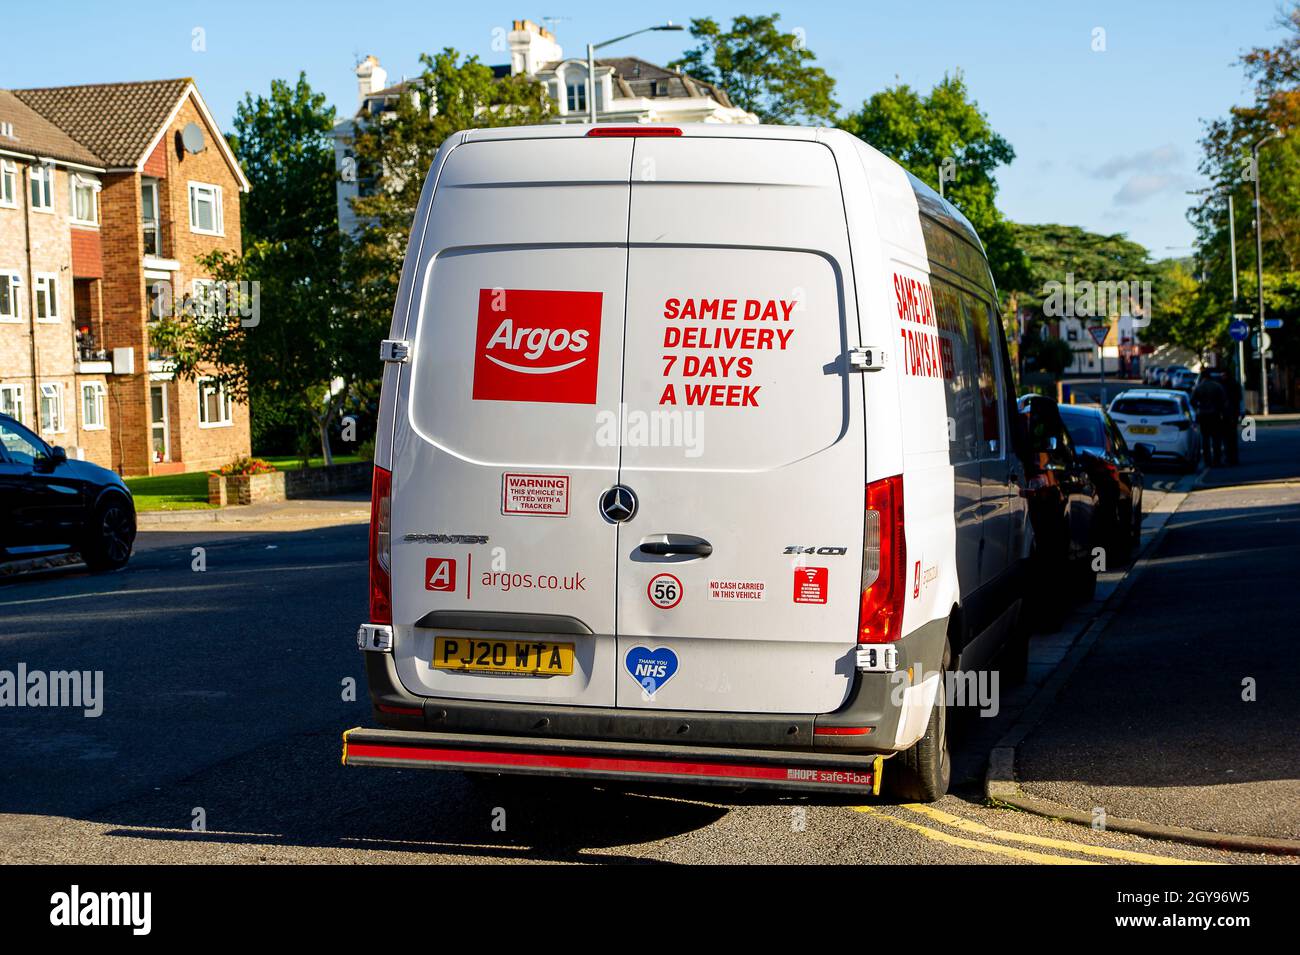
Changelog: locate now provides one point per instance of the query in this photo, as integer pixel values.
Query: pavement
(349, 508)
(1184, 712)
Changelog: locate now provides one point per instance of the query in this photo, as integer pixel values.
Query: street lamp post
(591, 62)
(1259, 268)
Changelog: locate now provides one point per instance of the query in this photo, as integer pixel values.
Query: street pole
(1101, 353)
(1259, 270)
(1232, 245)
(591, 83)
(591, 62)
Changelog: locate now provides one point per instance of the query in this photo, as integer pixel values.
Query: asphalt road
(224, 700)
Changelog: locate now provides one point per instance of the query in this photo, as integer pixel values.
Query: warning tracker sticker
(543, 494)
(737, 591)
(810, 585)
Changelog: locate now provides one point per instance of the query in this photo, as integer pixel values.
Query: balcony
(92, 360)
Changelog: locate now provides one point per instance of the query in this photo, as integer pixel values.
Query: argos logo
(535, 345)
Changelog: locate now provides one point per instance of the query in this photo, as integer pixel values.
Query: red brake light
(381, 514)
(884, 563)
(648, 129)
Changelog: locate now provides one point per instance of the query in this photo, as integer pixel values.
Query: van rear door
(517, 343)
(742, 433)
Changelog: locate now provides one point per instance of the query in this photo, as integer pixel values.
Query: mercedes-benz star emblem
(618, 504)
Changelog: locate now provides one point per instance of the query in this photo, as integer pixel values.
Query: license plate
(1142, 429)
(538, 657)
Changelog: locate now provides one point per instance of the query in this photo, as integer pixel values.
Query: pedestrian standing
(1232, 415)
(1211, 404)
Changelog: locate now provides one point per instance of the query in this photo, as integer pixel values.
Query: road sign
(1272, 323)
(1099, 333)
(1254, 341)
(1239, 330)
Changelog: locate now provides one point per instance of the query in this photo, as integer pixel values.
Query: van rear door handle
(676, 545)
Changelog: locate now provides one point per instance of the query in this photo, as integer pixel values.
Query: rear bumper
(610, 761)
(866, 723)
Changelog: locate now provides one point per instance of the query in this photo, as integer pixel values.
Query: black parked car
(1062, 508)
(49, 503)
(1114, 471)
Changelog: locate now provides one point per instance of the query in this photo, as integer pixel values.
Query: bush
(366, 450)
(246, 466)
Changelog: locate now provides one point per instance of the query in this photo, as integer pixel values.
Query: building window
(149, 218)
(8, 184)
(92, 406)
(11, 401)
(576, 94)
(11, 302)
(84, 193)
(47, 296)
(52, 408)
(43, 188)
(216, 409)
(205, 209)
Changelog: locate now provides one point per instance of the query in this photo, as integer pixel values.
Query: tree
(1226, 163)
(296, 360)
(945, 130)
(394, 152)
(763, 70)
(1054, 252)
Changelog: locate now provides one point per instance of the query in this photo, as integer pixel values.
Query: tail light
(381, 520)
(884, 563)
(647, 130)
(1182, 424)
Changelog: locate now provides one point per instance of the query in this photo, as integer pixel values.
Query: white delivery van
(694, 464)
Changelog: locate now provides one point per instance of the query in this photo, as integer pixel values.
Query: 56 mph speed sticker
(664, 591)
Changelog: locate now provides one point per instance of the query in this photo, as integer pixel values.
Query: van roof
(931, 202)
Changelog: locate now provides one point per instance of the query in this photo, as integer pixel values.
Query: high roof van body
(694, 463)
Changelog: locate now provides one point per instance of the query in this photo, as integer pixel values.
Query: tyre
(1084, 579)
(1047, 601)
(1014, 662)
(110, 536)
(922, 773)
(1122, 537)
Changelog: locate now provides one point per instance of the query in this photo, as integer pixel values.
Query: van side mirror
(1142, 453)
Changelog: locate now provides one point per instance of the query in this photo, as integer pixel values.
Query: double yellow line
(970, 827)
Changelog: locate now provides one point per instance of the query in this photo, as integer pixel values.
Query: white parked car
(1162, 420)
(711, 482)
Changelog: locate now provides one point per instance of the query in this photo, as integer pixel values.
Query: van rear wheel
(922, 773)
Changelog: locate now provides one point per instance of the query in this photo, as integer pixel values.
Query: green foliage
(393, 153)
(763, 70)
(1226, 163)
(946, 127)
(1055, 251)
(1047, 355)
(246, 465)
(284, 364)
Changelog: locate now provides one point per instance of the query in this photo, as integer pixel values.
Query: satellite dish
(192, 138)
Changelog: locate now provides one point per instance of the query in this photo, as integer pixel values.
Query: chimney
(371, 77)
(531, 48)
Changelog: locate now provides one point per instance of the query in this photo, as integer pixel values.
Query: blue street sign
(1272, 323)
(1239, 330)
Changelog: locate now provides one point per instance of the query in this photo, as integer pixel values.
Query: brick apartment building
(108, 193)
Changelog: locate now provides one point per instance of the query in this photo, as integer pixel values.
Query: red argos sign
(535, 345)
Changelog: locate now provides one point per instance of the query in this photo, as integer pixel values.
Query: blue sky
(1105, 140)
